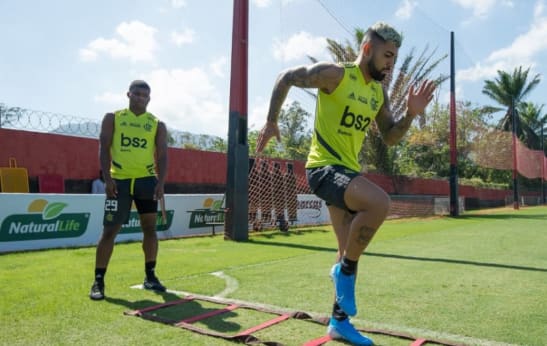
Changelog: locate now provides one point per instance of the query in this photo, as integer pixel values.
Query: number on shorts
(111, 205)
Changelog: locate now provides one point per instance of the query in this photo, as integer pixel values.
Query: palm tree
(509, 91)
(412, 72)
(532, 117)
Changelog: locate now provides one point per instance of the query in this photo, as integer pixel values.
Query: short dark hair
(138, 83)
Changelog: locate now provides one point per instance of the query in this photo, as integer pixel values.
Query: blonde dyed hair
(383, 32)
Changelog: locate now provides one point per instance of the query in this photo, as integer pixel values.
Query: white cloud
(481, 8)
(481, 71)
(300, 45)
(219, 66)
(180, 38)
(135, 42)
(444, 95)
(525, 46)
(262, 3)
(178, 3)
(267, 3)
(539, 7)
(187, 100)
(88, 55)
(522, 52)
(259, 111)
(405, 9)
(112, 99)
(257, 114)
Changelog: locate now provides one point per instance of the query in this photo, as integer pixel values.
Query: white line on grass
(231, 284)
(243, 266)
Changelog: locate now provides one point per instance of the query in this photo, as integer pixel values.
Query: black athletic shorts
(330, 183)
(140, 190)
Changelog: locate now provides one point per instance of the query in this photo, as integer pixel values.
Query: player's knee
(386, 205)
(149, 230)
(148, 222)
(110, 232)
(382, 205)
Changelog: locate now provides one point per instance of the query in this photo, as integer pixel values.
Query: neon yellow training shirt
(342, 118)
(133, 145)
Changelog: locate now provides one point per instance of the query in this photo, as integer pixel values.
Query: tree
(271, 150)
(425, 149)
(170, 138)
(509, 91)
(295, 137)
(532, 115)
(219, 145)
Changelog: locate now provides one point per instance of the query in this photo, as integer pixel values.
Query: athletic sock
(99, 274)
(149, 268)
(348, 267)
(337, 313)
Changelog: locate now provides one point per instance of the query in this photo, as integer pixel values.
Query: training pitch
(479, 279)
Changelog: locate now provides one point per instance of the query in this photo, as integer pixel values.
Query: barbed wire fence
(18, 118)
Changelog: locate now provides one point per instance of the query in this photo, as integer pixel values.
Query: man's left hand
(418, 100)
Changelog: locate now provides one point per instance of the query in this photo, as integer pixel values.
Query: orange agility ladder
(13, 178)
(246, 337)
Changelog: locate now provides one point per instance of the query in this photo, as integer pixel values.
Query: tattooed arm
(324, 76)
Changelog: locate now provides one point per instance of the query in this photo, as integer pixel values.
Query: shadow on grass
(455, 261)
(181, 312)
(502, 216)
(404, 257)
(141, 304)
(272, 233)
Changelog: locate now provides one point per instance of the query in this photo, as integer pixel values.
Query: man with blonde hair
(350, 97)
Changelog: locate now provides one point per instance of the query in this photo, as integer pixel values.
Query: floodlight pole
(454, 205)
(237, 187)
(515, 163)
(544, 163)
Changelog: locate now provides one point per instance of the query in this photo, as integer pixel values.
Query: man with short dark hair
(350, 97)
(133, 158)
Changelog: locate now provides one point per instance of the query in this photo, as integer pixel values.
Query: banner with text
(41, 221)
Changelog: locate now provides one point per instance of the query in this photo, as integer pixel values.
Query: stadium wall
(190, 171)
(77, 160)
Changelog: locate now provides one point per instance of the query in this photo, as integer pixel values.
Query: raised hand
(418, 100)
(268, 131)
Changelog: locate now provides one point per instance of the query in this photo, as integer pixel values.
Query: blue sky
(77, 58)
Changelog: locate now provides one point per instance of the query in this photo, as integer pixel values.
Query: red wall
(40, 153)
(401, 185)
(77, 158)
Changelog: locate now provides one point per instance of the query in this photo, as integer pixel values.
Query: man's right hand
(110, 188)
(268, 131)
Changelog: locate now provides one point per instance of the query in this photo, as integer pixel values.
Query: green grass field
(480, 279)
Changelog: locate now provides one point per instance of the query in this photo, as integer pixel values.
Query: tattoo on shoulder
(308, 77)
